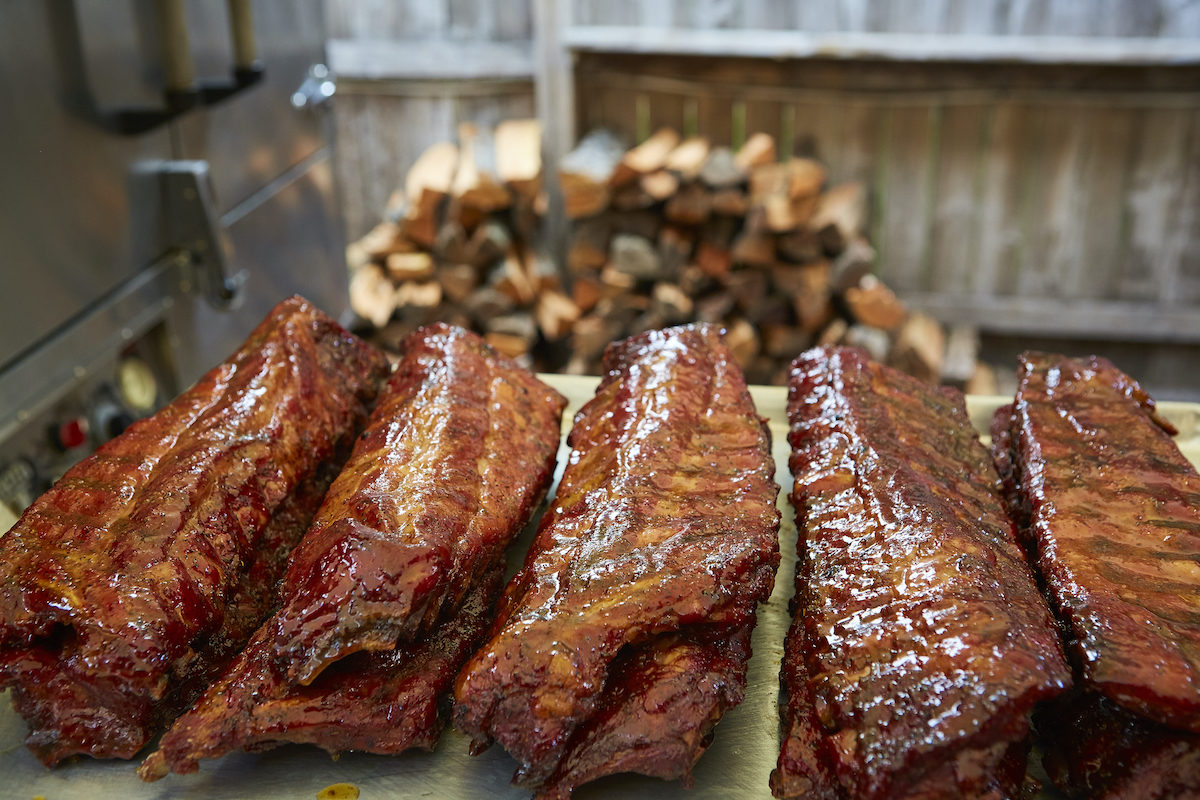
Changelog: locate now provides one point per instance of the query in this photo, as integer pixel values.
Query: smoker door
(64, 179)
(270, 167)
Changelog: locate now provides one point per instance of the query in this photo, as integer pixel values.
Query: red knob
(73, 433)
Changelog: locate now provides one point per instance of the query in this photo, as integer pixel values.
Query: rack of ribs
(1109, 511)
(130, 583)
(624, 637)
(920, 642)
(391, 587)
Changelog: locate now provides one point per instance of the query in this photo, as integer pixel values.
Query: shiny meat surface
(377, 702)
(148, 564)
(1114, 525)
(664, 520)
(1096, 749)
(658, 709)
(455, 457)
(920, 642)
(458, 453)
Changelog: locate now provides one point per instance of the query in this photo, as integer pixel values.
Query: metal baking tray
(736, 765)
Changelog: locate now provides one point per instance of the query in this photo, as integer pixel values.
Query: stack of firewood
(460, 244)
(676, 230)
(670, 231)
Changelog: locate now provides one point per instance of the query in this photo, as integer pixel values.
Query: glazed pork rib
(1110, 512)
(126, 586)
(920, 642)
(660, 542)
(374, 620)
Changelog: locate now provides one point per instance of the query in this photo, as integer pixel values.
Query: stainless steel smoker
(165, 179)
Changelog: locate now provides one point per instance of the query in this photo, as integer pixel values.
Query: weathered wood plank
(997, 233)
(964, 48)
(1153, 193)
(907, 169)
(957, 190)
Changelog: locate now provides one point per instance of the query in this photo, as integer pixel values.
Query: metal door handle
(181, 90)
(194, 231)
(318, 86)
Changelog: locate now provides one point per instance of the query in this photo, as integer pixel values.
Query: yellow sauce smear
(339, 791)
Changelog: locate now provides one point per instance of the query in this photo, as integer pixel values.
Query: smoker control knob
(137, 384)
(71, 433)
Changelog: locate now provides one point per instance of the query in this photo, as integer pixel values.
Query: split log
(458, 281)
(512, 278)
(584, 174)
(919, 347)
(612, 278)
(647, 157)
(427, 184)
(743, 342)
(714, 307)
(585, 292)
(873, 304)
(542, 270)
(961, 356)
(808, 286)
(508, 344)
(383, 240)
(784, 341)
(476, 193)
(876, 342)
(788, 192)
(487, 303)
(841, 211)
(512, 334)
(418, 294)
(518, 149)
(591, 335)
(755, 245)
(556, 314)
(688, 158)
(675, 247)
(720, 170)
(671, 303)
(450, 245)
(635, 256)
(834, 333)
(759, 149)
(409, 266)
(713, 260)
(799, 246)
(630, 197)
(372, 295)
(659, 185)
(748, 287)
(695, 281)
(853, 265)
(731, 202)
(691, 205)
(982, 381)
(645, 223)
(588, 249)
(488, 244)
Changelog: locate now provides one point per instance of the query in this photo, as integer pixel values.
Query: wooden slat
(1181, 285)
(956, 210)
(1108, 149)
(1039, 316)
(433, 59)
(1153, 193)
(997, 233)
(963, 48)
(906, 195)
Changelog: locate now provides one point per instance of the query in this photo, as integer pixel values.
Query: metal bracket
(193, 228)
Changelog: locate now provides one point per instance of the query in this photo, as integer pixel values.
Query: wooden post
(554, 97)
